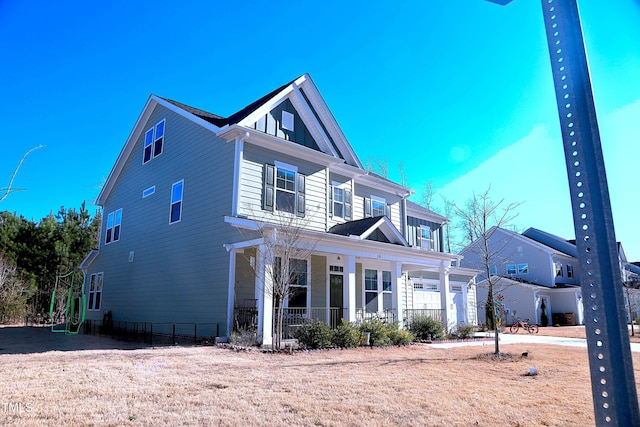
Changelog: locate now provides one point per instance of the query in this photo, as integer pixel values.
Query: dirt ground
(49, 379)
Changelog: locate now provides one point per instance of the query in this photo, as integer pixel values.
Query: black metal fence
(154, 333)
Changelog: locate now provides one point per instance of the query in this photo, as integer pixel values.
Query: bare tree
(404, 176)
(378, 166)
(4, 192)
(426, 195)
(14, 292)
(285, 248)
(480, 217)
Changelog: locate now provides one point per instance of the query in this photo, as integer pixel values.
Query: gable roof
(365, 228)
(551, 240)
(428, 214)
(302, 93)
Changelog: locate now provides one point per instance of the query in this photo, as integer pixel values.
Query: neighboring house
(533, 267)
(530, 267)
(189, 189)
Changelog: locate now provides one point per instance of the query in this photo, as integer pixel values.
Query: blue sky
(458, 91)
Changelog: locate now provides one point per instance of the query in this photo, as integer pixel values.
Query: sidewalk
(525, 339)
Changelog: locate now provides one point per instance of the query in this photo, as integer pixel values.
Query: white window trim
(149, 191)
(171, 202)
(113, 227)
(95, 291)
(287, 166)
(153, 131)
(384, 205)
(430, 241)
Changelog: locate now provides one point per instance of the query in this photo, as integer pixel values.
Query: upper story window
(376, 206)
(176, 202)
(569, 270)
(114, 222)
(559, 272)
(513, 269)
(340, 201)
(287, 121)
(153, 140)
(426, 237)
(283, 189)
(149, 191)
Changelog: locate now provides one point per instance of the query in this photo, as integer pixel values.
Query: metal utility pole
(615, 398)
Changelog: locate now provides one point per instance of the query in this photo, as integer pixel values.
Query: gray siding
(362, 191)
(319, 281)
(245, 279)
(413, 232)
(251, 187)
(271, 123)
(179, 271)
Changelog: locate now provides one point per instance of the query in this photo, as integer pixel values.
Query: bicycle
(531, 328)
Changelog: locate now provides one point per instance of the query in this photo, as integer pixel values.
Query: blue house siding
(179, 271)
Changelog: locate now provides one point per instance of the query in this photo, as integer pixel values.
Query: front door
(335, 298)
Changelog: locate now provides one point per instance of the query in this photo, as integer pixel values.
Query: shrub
(346, 335)
(426, 328)
(399, 336)
(314, 335)
(463, 332)
(378, 333)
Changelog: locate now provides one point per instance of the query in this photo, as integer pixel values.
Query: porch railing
(386, 316)
(433, 313)
(294, 318)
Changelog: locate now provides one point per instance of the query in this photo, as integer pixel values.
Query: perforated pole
(613, 386)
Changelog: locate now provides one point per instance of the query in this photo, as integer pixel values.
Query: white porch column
(396, 294)
(445, 298)
(349, 288)
(465, 303)
(232, 291)
(264, 297)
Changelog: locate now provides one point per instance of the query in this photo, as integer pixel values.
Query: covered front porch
(341, 278)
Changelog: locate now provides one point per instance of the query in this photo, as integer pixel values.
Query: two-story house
(532, 268)
(530, 271)
(188, 202)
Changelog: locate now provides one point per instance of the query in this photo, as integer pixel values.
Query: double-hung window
(511, 269)
(175, 214)
(376, 206)
(569, 270)
(114, 222)
(523, 268)
(426, 237)
(559, 272)
(340, 201)
(371, 290)
(95, 291)
(298, 283)
(153, 141)
(387, 301)
(283, 189)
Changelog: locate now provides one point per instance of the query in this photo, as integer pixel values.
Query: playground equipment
(75, 304)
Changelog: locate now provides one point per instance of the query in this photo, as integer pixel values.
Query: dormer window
(426, 237)
(153, 141)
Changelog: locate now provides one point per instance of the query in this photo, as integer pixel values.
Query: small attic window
(287, 120)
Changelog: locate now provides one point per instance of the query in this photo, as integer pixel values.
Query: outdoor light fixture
(615, 399)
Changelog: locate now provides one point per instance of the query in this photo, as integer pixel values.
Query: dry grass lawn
(409, 386)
